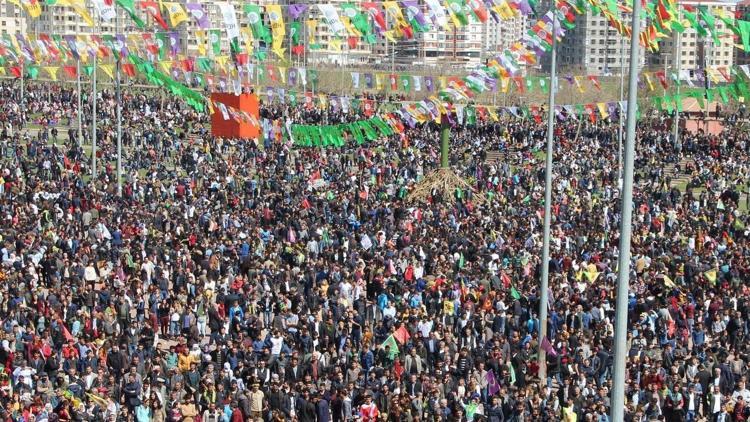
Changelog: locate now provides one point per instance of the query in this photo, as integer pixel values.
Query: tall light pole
(623, 273)
(118, 100)
(80, 105)
(678, 67)
(620, 120)
(544, 294)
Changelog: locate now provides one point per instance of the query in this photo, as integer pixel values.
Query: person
(257, 401)
(368, 412)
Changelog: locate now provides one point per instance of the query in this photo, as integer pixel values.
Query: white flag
(437, 13)
(230, 20)
(417, 83)
(332, 19)
(355, 80)
(106, 11)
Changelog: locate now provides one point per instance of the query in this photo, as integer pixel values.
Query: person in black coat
(305, 408)
(322, 409)
(130, 393)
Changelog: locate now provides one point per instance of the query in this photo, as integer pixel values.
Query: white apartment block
(12, 18)
(696, 52)
(595, 48)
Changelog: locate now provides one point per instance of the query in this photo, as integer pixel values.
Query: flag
(278, 30)
(153, 9)
(296, 10)
(594, 80)
(492, 385)
(260, 32)
(547, 347)
(176, 12)
(391, 342)
(513, 292)
(196, 11)
(230, 22)
(52, 72)
(332, 19)
(456, 12)
(402, 335)
(402, 27)
(437, 14)
(744, 28)
(415, 16)
(79, 6)
(215, 38)
(512, 372)
(577, 80)
(106, 9)
(107, 69)
(662, 77)
(373, 9)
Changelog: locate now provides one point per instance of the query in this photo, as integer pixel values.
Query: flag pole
(80, 105)
(544, 291)
(93, 121)
(119, 111)
(623, 272)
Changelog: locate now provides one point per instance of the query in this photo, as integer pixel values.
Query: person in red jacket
(368, 411)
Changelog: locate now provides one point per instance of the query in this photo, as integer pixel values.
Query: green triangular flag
(744, 28)
(254, 17)
(391, 342)
(89, 70)
(514, 293)
(512, 372)
(33, 72)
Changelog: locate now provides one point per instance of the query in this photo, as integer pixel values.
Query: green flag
(260, 31)
(89, 70)
(512, 372)
(693, 19)
(514, 293)
(129, 6)
(359, 20)
(471, 116)
(405, 83)
(391, 342)
(33, 72)
(215, 37)
(456, 9)
(162, 41)
(744, 28)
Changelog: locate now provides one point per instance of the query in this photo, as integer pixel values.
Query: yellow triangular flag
(2, 71)
(334, 44)
(80, 7)
(52, 71)
(201, 38)
(166, 66)
(108, 70)
(282, 74)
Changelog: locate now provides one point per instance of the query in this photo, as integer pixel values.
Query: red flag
(66, 333)
(152, 8)
(594, 80)
(505, 279)
(377, 15)
(128, 69)
(398, 369)
(662, 78)
(369, 107)
(271, 72)
(590, 110)
(401, 335)
(520, 85)
(70, 71)
(188, 65)
(479, 10)
(352, 41)
(242, 59)
(394, 82)
(536, 114)
(308, 100)
(724, 73)
(16, 71)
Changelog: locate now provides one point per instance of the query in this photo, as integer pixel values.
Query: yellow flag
(210, 105)
(52, 72)
(602, 109)
(648, 81)
(379, 78)
(390, 36)
(247, 38)
(504, 84)
(442, 81)
(201, 36)
(108, 70)
(34, 9)
(711, 276)
(177, 14)
(350, 29)
(277, 28)
(2, 71)
(222, 61)
(493, 115)
(80, 7)
(392, 9)
(334, 44)
(282, 74)
(577, 80)
(166, 66)
(312, 25)
(323, 100)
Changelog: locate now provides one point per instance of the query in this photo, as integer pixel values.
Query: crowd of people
(250, 280)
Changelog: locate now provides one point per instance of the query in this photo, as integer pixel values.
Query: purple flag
(490, 6)
(174, 43)
(700, 78)
(428, 83)
(569, 78)
(122, 44)
(413, 10)
(334, 100)
(492, 386)
(197, 12)
(523, 6)
(291, 76)
(295, 10)
(368, 80)
(548, 347)
(612, 108)
(72, 46)
(269, 94)
(558, 113)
